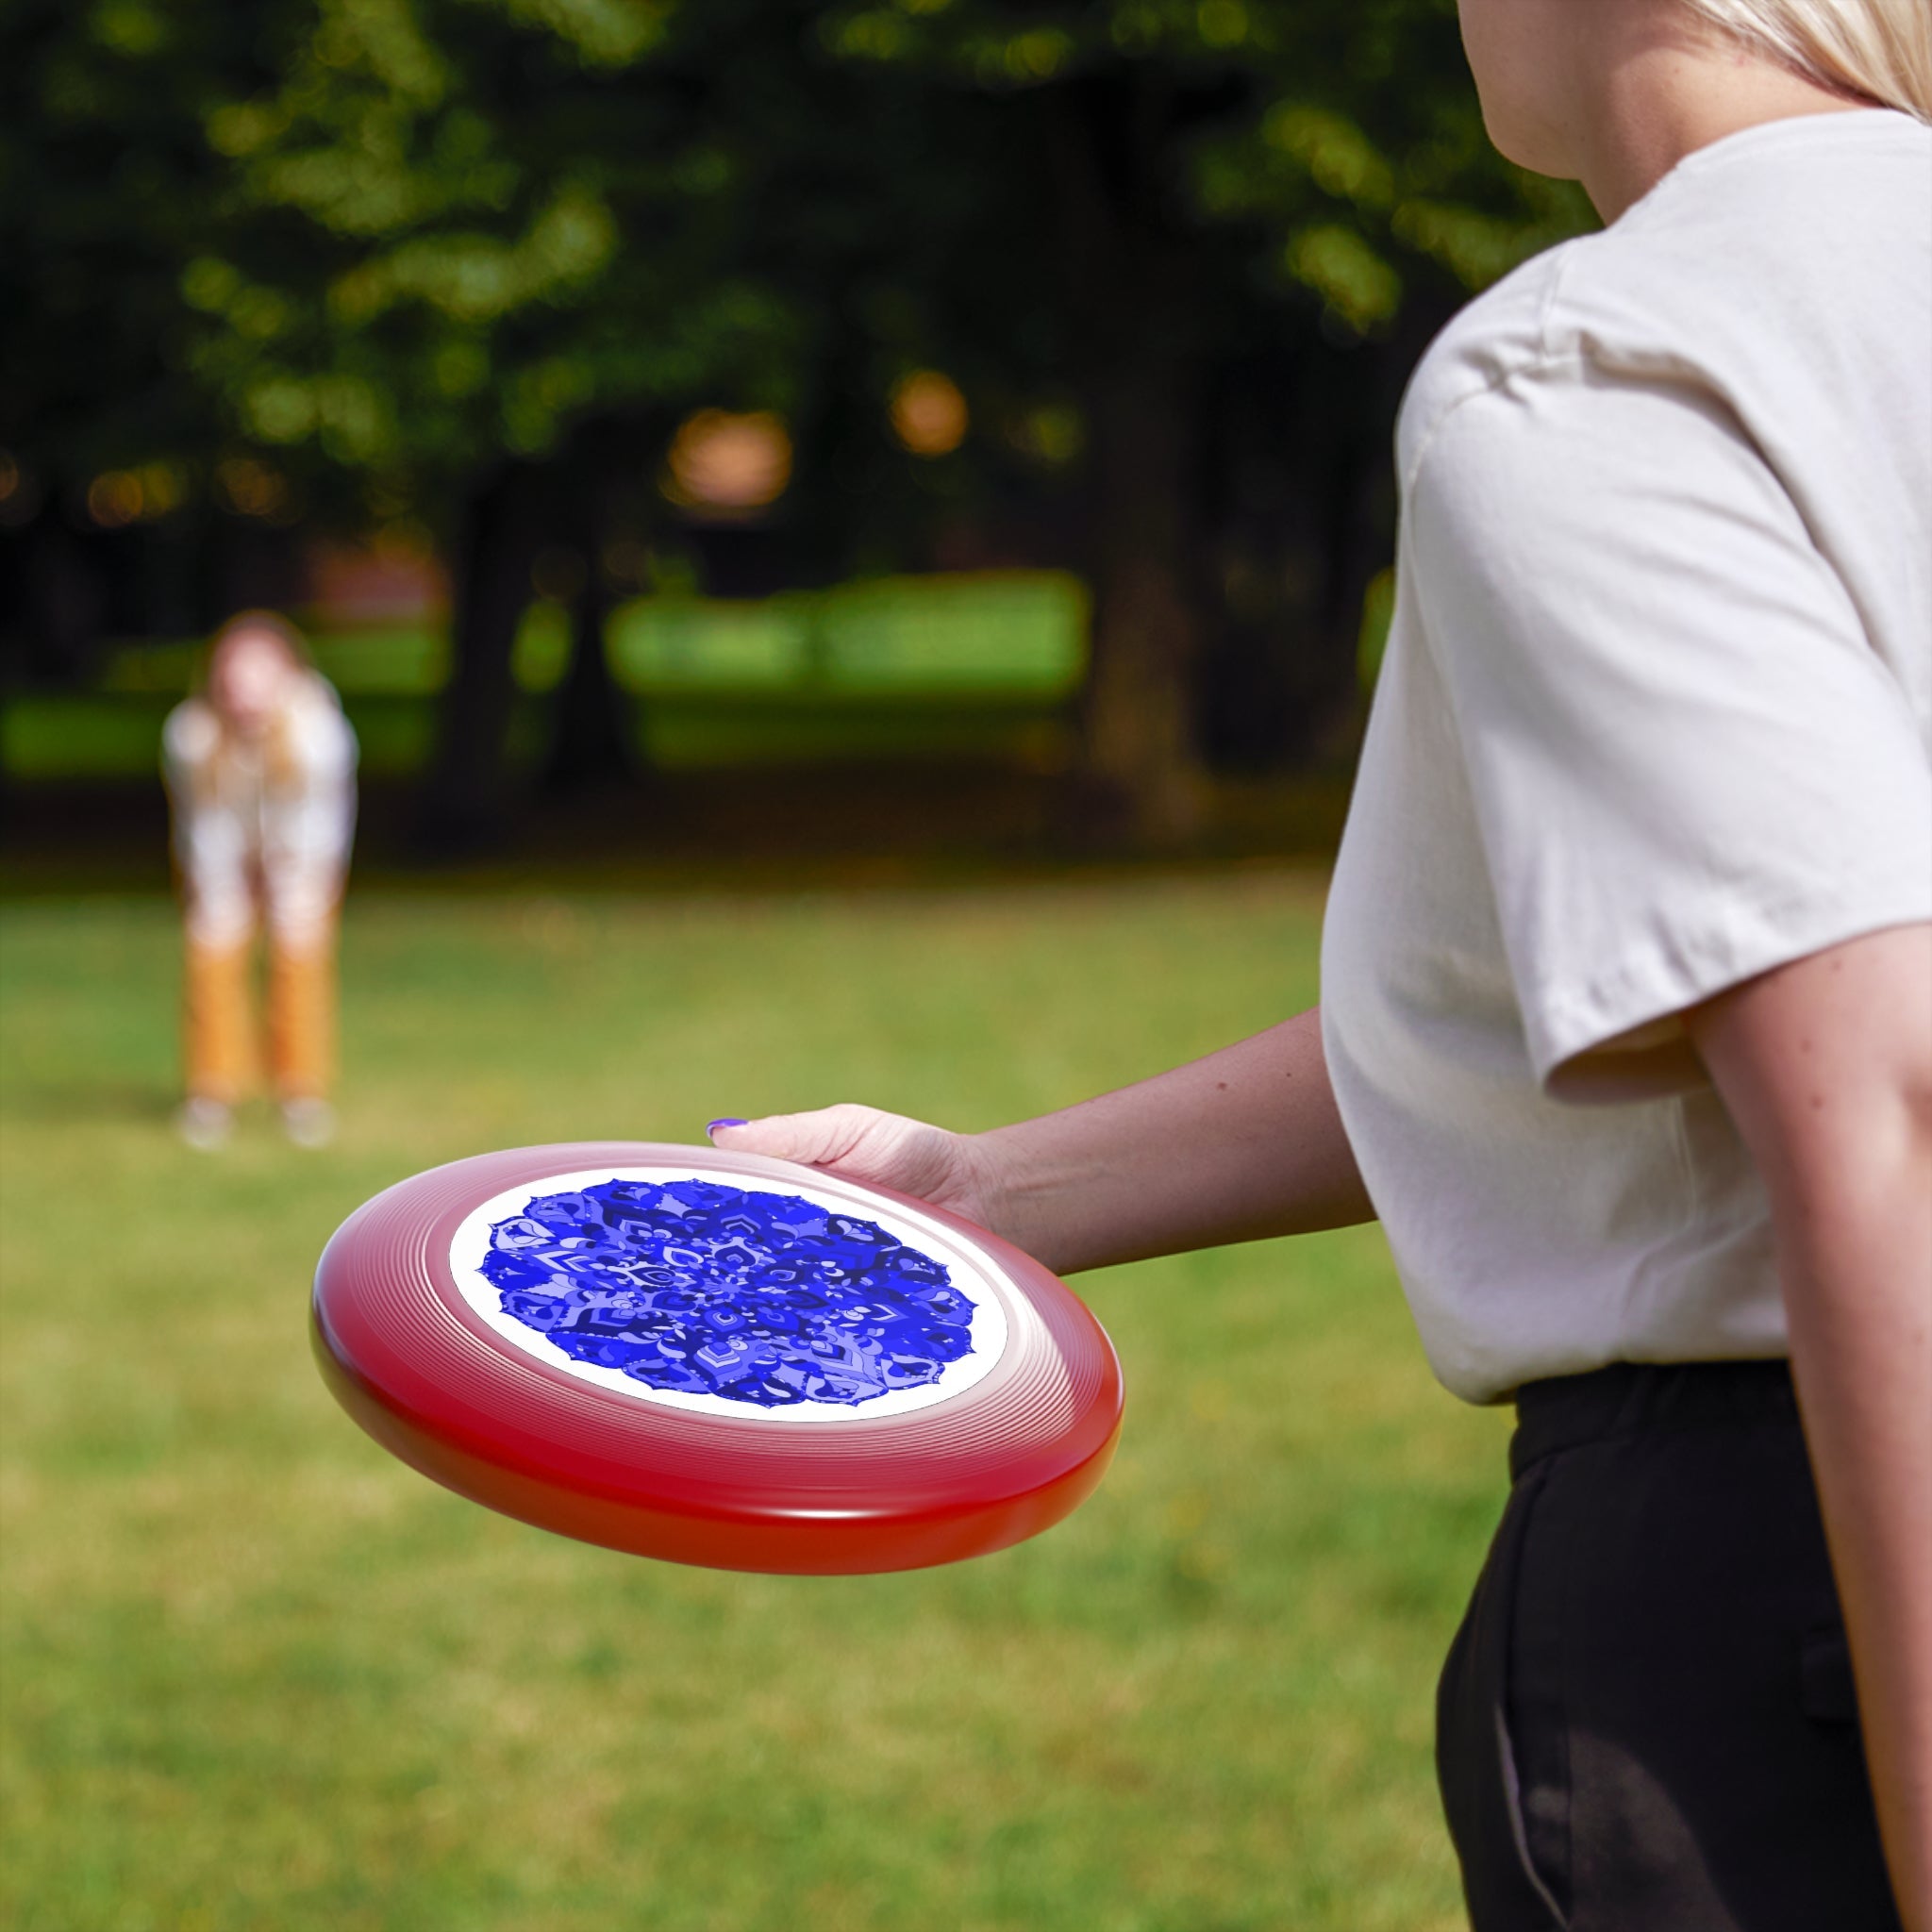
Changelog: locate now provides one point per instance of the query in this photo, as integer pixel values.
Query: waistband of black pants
(1639, 1398)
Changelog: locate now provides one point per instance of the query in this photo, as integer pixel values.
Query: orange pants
(222, 1046)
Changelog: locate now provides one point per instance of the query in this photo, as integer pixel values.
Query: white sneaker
(308, 1122)
(204, 1123)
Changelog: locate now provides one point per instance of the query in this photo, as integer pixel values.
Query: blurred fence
(902, 667)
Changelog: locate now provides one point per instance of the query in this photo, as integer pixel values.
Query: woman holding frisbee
(261, 777)
(1626, 1031)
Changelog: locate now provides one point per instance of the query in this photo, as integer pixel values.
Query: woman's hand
(886, 1149)
(1236, 1147)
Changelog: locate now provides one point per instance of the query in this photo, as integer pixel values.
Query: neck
(1662, 92)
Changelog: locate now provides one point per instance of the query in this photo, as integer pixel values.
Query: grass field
(256, 1675)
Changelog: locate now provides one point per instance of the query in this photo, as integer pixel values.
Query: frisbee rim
(589, 1449)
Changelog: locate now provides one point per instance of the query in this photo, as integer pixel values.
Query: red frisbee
(716, 1358)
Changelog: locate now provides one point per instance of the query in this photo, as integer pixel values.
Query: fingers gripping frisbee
(716, 1358)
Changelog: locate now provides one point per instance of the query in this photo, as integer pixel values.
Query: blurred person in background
(260, 768)
(1626, 1020)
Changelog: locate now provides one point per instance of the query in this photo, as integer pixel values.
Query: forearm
(1826, 1068)
(1241, 1145)
(1858, 1296)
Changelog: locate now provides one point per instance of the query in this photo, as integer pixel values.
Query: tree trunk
(1139, 727)
(466, 799)
(591, 744)
(1134, 304)
(594, 744)
(62, 600)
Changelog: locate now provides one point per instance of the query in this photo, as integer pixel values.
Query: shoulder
(190, 735)
(1757, 264)
(1608, 308)
(1495, 338)
(320, 735)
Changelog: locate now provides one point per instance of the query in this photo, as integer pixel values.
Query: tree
(470, 261)
(110, 190)
(487, 237)
(1216, 202)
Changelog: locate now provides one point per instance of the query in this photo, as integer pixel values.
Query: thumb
(822, 1138)
(864, 1144)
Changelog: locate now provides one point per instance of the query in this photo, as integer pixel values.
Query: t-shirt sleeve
(1688, 761)
(189, 738)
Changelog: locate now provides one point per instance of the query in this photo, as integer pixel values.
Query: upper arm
(322, 737)
(1825, 1067)
(188, 740)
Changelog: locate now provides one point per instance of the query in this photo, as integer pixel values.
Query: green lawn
(256, 1675)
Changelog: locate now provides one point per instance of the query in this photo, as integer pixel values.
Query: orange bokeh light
(729, 464)
(251, 488)
(930, 415)
(115, 499)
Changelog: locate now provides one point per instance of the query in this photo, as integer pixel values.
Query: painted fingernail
(716, 1124)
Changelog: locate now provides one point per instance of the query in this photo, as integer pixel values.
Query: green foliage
(107, 189)
(498, 238)
(397, 238)
(1346, 133)
(257, 1673)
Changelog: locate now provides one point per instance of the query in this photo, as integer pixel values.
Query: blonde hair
(1880, 50)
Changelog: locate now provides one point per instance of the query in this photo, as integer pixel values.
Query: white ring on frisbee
(971, 1273)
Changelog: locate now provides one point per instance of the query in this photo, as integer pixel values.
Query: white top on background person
(263, 790)
(1669, 730)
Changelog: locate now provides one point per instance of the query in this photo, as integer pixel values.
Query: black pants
(1646, 1720)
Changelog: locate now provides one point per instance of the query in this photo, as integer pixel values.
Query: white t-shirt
(251, 826)
(1655, 716)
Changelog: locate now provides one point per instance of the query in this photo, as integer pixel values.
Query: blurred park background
(854, 538)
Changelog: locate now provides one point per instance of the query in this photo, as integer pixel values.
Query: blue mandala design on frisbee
(705, 1290)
